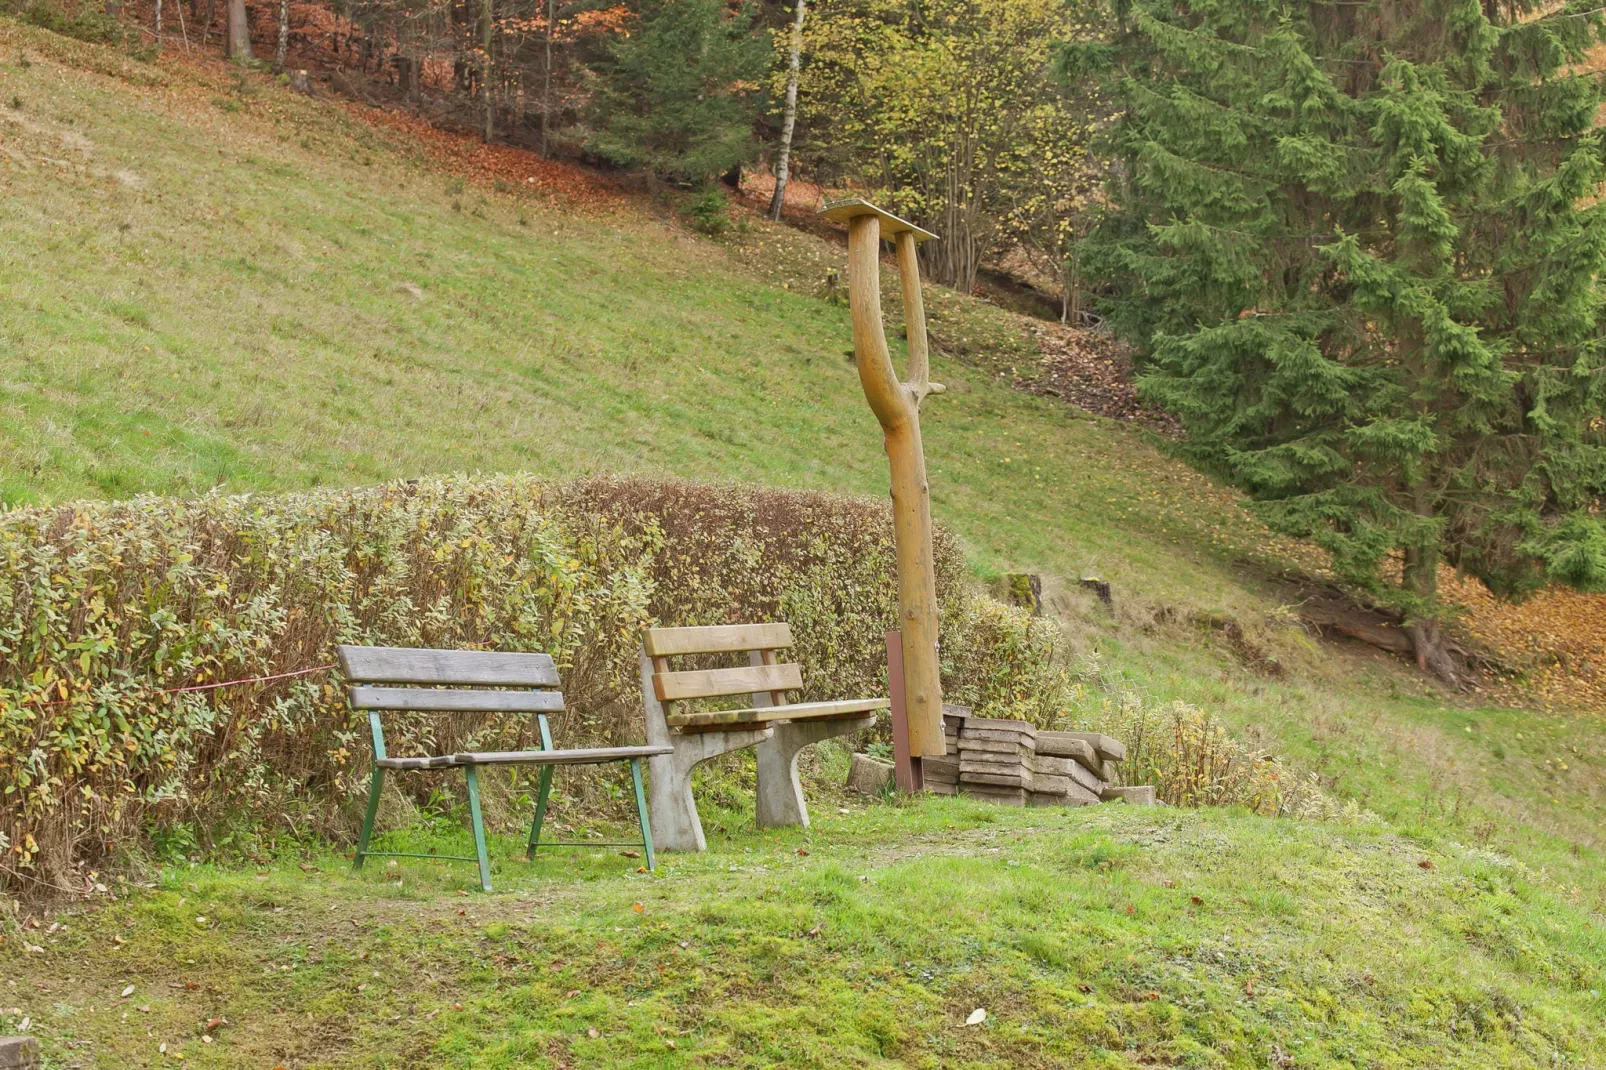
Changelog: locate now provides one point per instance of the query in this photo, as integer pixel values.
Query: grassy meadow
(207, 283)
(1113, 937)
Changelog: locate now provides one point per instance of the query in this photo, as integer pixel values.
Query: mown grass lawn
(1102, 937)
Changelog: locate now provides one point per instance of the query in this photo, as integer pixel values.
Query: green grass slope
(204, 287)
(1101, 938)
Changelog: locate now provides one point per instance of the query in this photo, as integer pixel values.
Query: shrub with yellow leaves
(1192, 760)
(107, 608)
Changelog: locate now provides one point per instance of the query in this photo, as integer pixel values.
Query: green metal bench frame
(537, 678)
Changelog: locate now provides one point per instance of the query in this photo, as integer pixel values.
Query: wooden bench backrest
(368, 666)
(661, 644)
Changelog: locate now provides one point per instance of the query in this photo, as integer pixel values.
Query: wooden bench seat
(591, 756)
(475, 681)
(797, 711)
(778, 729)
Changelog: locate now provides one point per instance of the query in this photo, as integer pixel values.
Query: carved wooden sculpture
(897, 406)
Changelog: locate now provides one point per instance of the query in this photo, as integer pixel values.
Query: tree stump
(1025, 589)
(19, 1053)
(868, 776)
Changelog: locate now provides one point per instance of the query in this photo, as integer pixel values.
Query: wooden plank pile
(1013, 763)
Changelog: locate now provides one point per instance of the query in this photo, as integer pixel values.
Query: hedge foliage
(105, 608)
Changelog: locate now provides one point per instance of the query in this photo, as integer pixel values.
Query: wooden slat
(586, 756)
(421, 698)
(712, 683)
(410, 665)
(801, 711)
(719, 639)
(442, 762)
(1087, 747)
(994, 724)
(776, 698)
(757, 728)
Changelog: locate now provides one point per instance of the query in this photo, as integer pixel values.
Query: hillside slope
(257, 291)
(206, 281)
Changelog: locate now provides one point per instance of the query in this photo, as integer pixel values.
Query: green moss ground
(1112, 937)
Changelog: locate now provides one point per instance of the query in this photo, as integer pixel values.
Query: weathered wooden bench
(475, 681)
(778, 729)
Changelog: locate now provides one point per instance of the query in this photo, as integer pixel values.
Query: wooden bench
(457, 681)
(778, 729)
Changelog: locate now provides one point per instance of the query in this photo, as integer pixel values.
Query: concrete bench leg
(675, 825)
(780, 795)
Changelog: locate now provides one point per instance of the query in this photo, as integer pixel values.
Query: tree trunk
(783, 162)
(1070, 280)
(282, 50)
(1423, 624)
(485, 75)
(238, 41)
(412, 77)
(546, 79)
(897, 408)
(158, 24)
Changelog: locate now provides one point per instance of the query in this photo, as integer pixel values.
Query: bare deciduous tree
(282, 50)
(794, 64)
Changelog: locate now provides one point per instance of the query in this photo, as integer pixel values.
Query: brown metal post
(905, 766)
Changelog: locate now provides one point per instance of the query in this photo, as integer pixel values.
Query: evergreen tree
(1358, 245)
(678, 94)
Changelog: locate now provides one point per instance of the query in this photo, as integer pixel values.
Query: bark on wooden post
(897, 406)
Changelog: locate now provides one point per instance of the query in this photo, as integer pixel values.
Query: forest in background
(947, 110)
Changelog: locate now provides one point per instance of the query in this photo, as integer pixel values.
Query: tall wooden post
(897, 406)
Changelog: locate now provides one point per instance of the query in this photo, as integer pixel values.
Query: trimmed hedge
(105, 607)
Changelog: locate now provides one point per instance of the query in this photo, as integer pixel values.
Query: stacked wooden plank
(1013, 763)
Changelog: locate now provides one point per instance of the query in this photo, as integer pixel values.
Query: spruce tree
(678, 94)
(1358, 245)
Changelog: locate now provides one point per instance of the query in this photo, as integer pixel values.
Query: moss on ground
(1108, 937)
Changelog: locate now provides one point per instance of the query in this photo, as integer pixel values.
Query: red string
(220, 683)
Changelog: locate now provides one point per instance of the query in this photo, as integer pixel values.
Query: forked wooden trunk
(897, 408)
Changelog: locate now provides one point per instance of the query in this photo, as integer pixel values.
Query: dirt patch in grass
(1093, 372)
